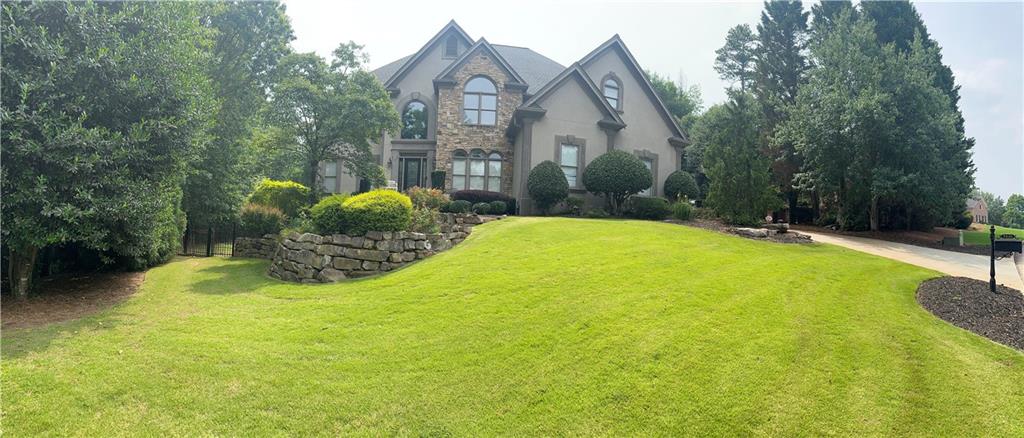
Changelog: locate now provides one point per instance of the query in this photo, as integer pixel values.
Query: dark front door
(411, 171)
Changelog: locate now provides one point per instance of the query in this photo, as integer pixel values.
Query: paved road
(948, 262)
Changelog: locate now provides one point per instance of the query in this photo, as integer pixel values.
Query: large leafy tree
(874, 130)
(249, 39)
(1013, 216)
(104, 105)
(684, 103)
(735, 61)
(334, 111)
(780, 67)
(740, 188)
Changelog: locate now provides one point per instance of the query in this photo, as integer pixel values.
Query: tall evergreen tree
(780, 67)
(735, 61)
(825, 13)
(740, 189)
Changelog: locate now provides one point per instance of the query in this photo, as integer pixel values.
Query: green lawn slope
(533, 326)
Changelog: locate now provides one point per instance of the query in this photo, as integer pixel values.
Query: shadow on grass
(19, 342)
(238, 275)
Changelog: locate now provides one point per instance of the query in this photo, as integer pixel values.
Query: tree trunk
(314, 190)
(874, 213)
(22, 266)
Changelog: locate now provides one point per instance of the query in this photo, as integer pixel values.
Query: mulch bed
(713, 225)
(67, 297)
(967, 303)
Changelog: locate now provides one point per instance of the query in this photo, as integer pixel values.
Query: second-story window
(480, 102)
(613, 92)
(414, 121)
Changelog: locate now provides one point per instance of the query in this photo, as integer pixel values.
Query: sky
(982, 42)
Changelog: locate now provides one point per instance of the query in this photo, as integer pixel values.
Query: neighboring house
(979, 210)
(486, 114)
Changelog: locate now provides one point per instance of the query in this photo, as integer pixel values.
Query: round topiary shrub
(481, 208)
(459, 206)
(328, 215)
(287, 196)
(377, 210)
(497, 207)
(681, 184)
(616, 175)
(682, 210)
(256, 220)
(649, 208)
(964, 221)
(547, 185)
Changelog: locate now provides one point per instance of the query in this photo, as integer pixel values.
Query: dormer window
(613, 91)
(451, 47)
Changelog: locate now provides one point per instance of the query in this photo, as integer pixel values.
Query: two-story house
(486, 114)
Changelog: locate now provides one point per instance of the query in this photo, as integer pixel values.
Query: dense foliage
(681, 185)
(328, 216)
(287, 196)
(459, 206)
(497, 207)
(740, 188)
(427, 198)
(103, 107)
(482, 208)
(616, 175)
(334, 111)
(425, 220)
(547, 185)
(878, 137)
(257, 220)
(377, 210)
(684, 103)
(682, 210)
(1013, 216)
(642, 207)
(477, 196)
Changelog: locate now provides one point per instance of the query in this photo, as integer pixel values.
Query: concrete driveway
(947, 262)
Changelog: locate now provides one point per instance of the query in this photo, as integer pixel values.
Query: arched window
(459, 170)
(494, 172)
(476, 170)
(613, 92)
(480, 102)
(414, 121)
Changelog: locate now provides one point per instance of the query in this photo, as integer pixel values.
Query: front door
(410, 172)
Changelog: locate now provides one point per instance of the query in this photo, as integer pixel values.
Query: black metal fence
(209, 240)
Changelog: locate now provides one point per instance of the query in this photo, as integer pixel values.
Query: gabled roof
(452, 26)
(615, 43)
(482, 44)
(385, 71)
(536, 69)
(576, 71)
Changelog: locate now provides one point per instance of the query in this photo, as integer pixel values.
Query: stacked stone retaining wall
(312, 258)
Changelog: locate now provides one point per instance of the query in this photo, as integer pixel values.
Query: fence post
(209, 241)
(234, 236)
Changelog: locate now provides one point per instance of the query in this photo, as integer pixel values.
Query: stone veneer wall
(453, 134)
(256, 247)
(311, 258)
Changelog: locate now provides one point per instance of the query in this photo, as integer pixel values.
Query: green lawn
(532, 326)
(983, 238)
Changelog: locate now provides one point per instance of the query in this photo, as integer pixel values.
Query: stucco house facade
(486, 114)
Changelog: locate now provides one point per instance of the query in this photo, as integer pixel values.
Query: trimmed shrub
(547, 185)
(617, 175)
(481, 208)
(595, 213)
(459, 206)
(377, 210)
(328, 215)
(681, 184)
(649, 208)
(964, 221)
(425, 220)
(497, 207)
(575, 205)
(475, 196)
(288, 196)
(682, 210)
(427, 198)
(255, 220)
(437, 179)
